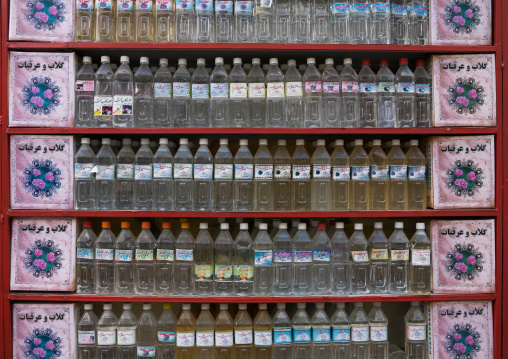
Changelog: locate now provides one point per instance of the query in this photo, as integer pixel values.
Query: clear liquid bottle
(301, 177)
(263, 262)
(147, 333)
(85, 248)
(223, 174)
(163, 92)
(185, 24)
(341, 176)
(184, 262)
(263, 178)
(380, 22)
(294, 96)
(125, 176)
(104, 21)
(331, 95)
(219, 95)
(379, 261)
(163, 188)
(164, 21)
(143, 94)
(125, 23)
(244, 183)
(184, 184)
(321, 178)
(360, 22)
(380, 178)
(203, 177)
(368, 96)
(224, 337)
(263, 21)
(321, 275)
(186, 334)
(144, 20)
(243, 272)
(104, 256)
(205, 330)
(416, 332)
(257, 94)
(203, 270)
(103, 99)
(282, 21)
(123, 91)
(360, 262)
(301, 21)
(182, 95)
(378, 332)
(143, 177)
(282, 184)
(399, 22)
(126, 333)
(262, 333)
(87, 326)
(387, 113)
(124, 256)
(275, 96)
(166, 333)
(397, 161)
(349, 96)
(321, 22)
(360, 178)
(224, 262)
(301, 333)
(340, 262)
(205, 21)
(85, 21)
(84, 94)
(405, 99)
(244, 348)
(106, 333)
(417, 183)
(399, 260)
(144, 262)
(302, 262)
(321, 336)
(418, 22)
(200, 105)
(340, 21)
(420, 270)
(282, 327)
(244, 21)
(224, 22)
(105, 177)
(423, 100)
(282, 262)
(239, 106)
(313, 104)
(165, 261)
(84, 178)
(341, 333)
(360, 345)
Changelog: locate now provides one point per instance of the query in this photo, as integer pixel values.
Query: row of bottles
(319, 97)
(355, 336)
(341, 181)
(274, 21)
(300, 262)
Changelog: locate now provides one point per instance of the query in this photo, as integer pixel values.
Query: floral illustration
(43, 259)
(45, 14)
(40, 96)
(42, 344)
(463, 342)
(462, 16)
(464, 178)
(42, 178)
(465, 95)
(464, 262)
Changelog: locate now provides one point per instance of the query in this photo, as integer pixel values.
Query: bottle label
(321, 171)
(203, 171)
(144, 254)
(224, 340)
(332, 87)
(386, 87)
(379, 254)
(416, 332)
(219, 90)
(322, 256)
(262, 338)
(181, 89)
(420, 257)
(400, 10)
(143, 172)
(244, 273)
(183, 171)
(162, 89)
(104, 254)
(302, 256)
(244, 172)
(103, 106)
(301, 172)
(263, 172)
(204, 5)
(282, 171)
(422, 89)
(341, 335)
(84, 253)
(223, 273)
(418, 11)
(85, 85)
(281, 336)
(243, 7)
(123, 255)
(239, 90)
(257, 90)
(83, 170)
(204, 339)
(163, 5)
(301, 335)
(321, 335)
(398, 172)
(105, 172)
(103, 4)
(368, 87)
(405, 87)
(263, 258)
(126, 4)
(360, 256)
(184, 4)
(416, 172)
(275, 89)
(243, 337)
(282, 257)
(122, 105)
(203, 272)
(126, 337)
(340, 8)
(381, 8)
(313, 87)
(185, 339)
(360, 173)
(86, 337)
(294, 89)
(163, 170)
(224, 172)
(186, 255)
(266, 3)
(360, 8)
(350, 86)
(360, 334)
(379, 172)
(84, 4)
(166, 337)
(378, 334)
(400, 255)
(200, 91)
(106, 337)
(146, 352)
(224, 7)
(341, 173)
(166, 255)
(143, 4)
(124, 171)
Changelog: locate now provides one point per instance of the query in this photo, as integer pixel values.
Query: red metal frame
(500, 48)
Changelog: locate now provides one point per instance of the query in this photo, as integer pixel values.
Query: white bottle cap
(224, 226)
(415, 304)
(88, 306)
(263, 142)
(219, 61)
(395, 142)
(145, 141)
(376, 142)
(359, 305)
(399, 225)
(376, 304)
(85, 141)
(358, 142)
(224, 141)
(107, 306)
(244, 142)
(339, 142)
(124, 59)
(106, 141)
(127, 306)
(283, 226)
(163, 141)
(320, 305)
(105, 59)
(144, 60)
(292, 63)
(242, 306)
(378, 225)
(329, 62)
(263, 226)
(348, 61)
(341, 305)
(244, 226)
(224, 306)
(311, 61)
(321, 142)
(413, 143)
(281, 142)
(203, 141)
(262, 306)
(300, 305)
(300, 142)
(201, 62)
(205, 306)
(182, 62)
(163, 61)
(339, 225)
(358, 226)
(126, 142)
(256, 61)
(420, 226)
(87, 60)
(302, 226)
(274, 61)
(281, 305)
(237, 61)
(203, 226)
(147, 306)
(184, 141)
(186, 306)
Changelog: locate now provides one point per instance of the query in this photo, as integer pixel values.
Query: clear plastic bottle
(144, 21)
(104, 21)
(244, 183)
(263, 262)
(416, 332)
(183, 179)
(144, 261)
(203, 269)
(321, 336)
(313, 104)
(219, 95)
(302, 262)
(282, 21)
(185, 25)
(398, 192)
(166, 333)
(126, 333)
(340, 262)
(84, 178)
(360, 22)
(123, 91)
(399, 22)
(349, 95)
(301, 177)
(282, 262)
(387, 113)
(182, 95)
(380, 22)
(105, 177)
(162, 93)
(224, 22)
(321, 275)
(85, 22)
(417, 183)
(379, 261)
(124, 265)
(301, 21)
(239, 107)
(87, 326)
(360, 346)
(224, 338)
(106, 333)
(360, 262)
(243, 272)
(163, 189)
(368, 96)
(205, 329)
(282, 184)
(321, 178)
(103, 98)
(257, 94)
(380, 178)
(244, 347)
(399, 260)
(420, 270)
(143, 94)
(340, 22)
(418, 22)
(341, 333)
(275, 96)
(165, 261)
(224, 262)
(331, 95)
(262, 333)
(301, 333)
(205, 21)
(104, 256)
(84, 94)
(405, 99)
(184, 261)
(321, 22)
(341, 176)
(244, 21)
(360, 178)
(143, 177)
(164, 21)
(85, 248)
(263, 178)
(125, 25)
(423, 99)
(147, 333)
(203, 178)
(378, 332)
(125, 176)
(282, 327)
(223, 174)
(200, 104)
(263, 21)
(186, 334)
(294, 96)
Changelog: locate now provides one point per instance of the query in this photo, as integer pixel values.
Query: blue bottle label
(322, 256)
(281, 336)
(263, 258)
(418, 11)
(360, 8)
(381, 8)
(360, 173)
(301, 335)
(416, 172)
(167, 337)
(164, 5)
(205, 5)
(341, 335)
(146, 352)
(340, 8)
(321, 335)
(423, 89)
(84, 4)
(399, 10)
(379, 172)
(185, 4)
(398, 172)
(243, 7)
(224, 7)
(143, 4)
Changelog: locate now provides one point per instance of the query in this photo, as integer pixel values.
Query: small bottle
(321, 22)
(387, 113)
(399, 260)
(224, 22)
(282, 184)
(125, 24)
(103, 99)
(186, 334)
(104, 21)
(243, 272)
(368, 96)
(313, 104)
(423, 99)
(243, 326)
(162, 96)
(294, 95)
(341, 266)
(341, 176)
(380, 178)
(405, 99)
(125, 176)
(302, 262)
(360, 178)
(84, 178)
(360, 22)
(143, 177)
(224, 337)
(282, 326)
(418, 22)
(165, 261)
(244, 21)
(282, 262)
(105, 177)
(262, 333)
(223, 175)
(183, 177)
(380, 23)
(282, 21)
(257, 94)
(123, 91)
(360, 346)
(84, 93)
(398, 192)
(147, 333)
(321, 261)
(263, 262)
(205, 21)
(205, 330)
(124, 266)
(263, 21)
(379, 261)
(321, 338)
(301, 333)
(85, 248)
(166, 333)
(349, 95)
(301, 22)
(184, 264)
(143, 92)
(185, 24)
(341, 333)
(301, 177)
(275, 96)
(104, 256)
(263, 178)
(244, 183)
(203, 177)
(203, 270)
(106, 332)
(416, 332)
(340, 23)
(420, 268)
(87, 326)
(224, 260)
(182, 93)
(378, 332)
(163, 177)
(417, 183)
(399, 22)
(164, 21)
(200, 105)
(126, 333)
(360, 262)
(321, 178)
(144, 262)
(239, 106)
(331, 95)
(85, 21)
(219, 95)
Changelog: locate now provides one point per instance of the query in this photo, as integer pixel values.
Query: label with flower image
(243, 7)
(224, 172)
(275, 89)
(399, 10)
(106, 337)
(223, 273)
(341, 335)
(321, 171)
(243, 273)
(360, 256)
(398, 172)
(163, 5)
(144, 254)
(294, 89)
(399, 254)
(185, 255)
(183, 171)
(416, 172)
(143, 172)
(420, 257)
(350, 86)
(184, 4)
(386, 87)
(416, 332)
(263, 172)
(340, 8)
(103, 106)
(321, 335)
(262, 338)
(418, 11)
(126, 337)
(282, 257)
(257, 90)
(84, 253)
(85, 86)
(244, 172)
(239, 90)
(123, 105)
(331, 87)
(379, 172)
(162, 170)
(202, 273)
(219, 90)
(125, 171)
(368, 87)
(205, 5)
(162, 89)
(224, 340)
(302, 256)
(146, 352)
(322, 256)
(381, 8)
(313, 87)
(123, 255)
(406, 87)
(185, 339)
(83, 170)
(204, 339)
(165, 255)
(106, 172)
(203, 171)
(360, 334)
(126, 4)
(341, 173)
(423, 89)
(181, 89)
(301, 172)
(263, 258)
(282, 171)
(86, 337)
(104, 254)
(243, 337)
(103, 4)
(200, 91)
(360, 173)
(84, 4)
(281, 336)
(378, 334)
(360, 8)
(224, 7)
(166, 337)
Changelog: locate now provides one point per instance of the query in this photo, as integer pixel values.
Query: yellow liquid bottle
(84, 21)
(205, 326)
(379, 178)
(185, 334)
(244, 348)
(360, 178)
(125, 20)
(164, 21)
(224, 340)
(262, 334)
(105, 20)
(397, 161)
(144, 20)
(341, 176)
(417, 183)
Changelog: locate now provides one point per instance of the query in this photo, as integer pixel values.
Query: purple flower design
(42, 16)
(52, 10)
(50, 345)
(38, 253)
(471, 260)
(469, 13)
(41, 353)
(471, 176)
(459, 348)
(39, 6)
(459, 173)
(460, 90)
(472, 94)
(37, 101)
(41, 265)
(48, 94)
(457, 337)
(457, 9)
(37, 341)
(461, 100)
(461, 267)
(38, 183)
(49, 177)
(35, 90)
(461, 183)
(36, 172)
(459, 20)
(458, 256)
(51, 258)
(469, 340)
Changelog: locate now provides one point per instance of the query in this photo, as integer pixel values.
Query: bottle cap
(376, 142)
(321, 226)
(348, 61)
(144, 60)
(224, 141)
(87, 60)
(263, 226)
(403, 61)
(237, 61)
(105, 59)
(383, 62)
(203, 226)
(145, 141)
(201, 62)
(125, 225)
(376, 304)
(124, 59)
(292, 63)
(414, 143)
(145, 225)
(163, 141)
(339, 225)
(185, 225)
(399, 225)
(263, 142)
(126, 141)
(106, 141)
(163, 61)
(186, 306)
(359, 305)
(256, 61)
(274, 61)
(365, 62)
(281, 142)
(184, 141)
(106, 224)
(242, 306)
(320, 305)
(245, 226)
(203, 141)
(219, 61)
(85, 141)
(300, 142)
(300, 305)
(339, 142)
(321, 142)
(166, 225)
(224, 306)
(358, 142)
(281, 305)
(127, 306)
(341, 305)
(378, 225)
(87, 224)
(147, 306)
(311, 61)
(395, 142)
(182, 62)
(420, 226)
(244, 142)
(224, 226)
(262, 306)
(420, 62)
(166, 305)
(205, 306)
(302, 226)
(358, 226)
(107, 306)
(88, 306)
(283, 226)
(329, 62)
(415, 304)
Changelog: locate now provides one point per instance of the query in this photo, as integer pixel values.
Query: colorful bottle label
(420, 257)
(302, 256)
(85, 85)
(416, 172)
(406, 87)
(398, 172)
(106, 337)
(223, 273)
(416, 332)
(341, 335)
(263, 258)
(379, 172)
(378, 334)
(224, 340)
(146, 352)
(126, 337)
(144, 254)
(238, 90)
(244, 172)
(340, 8)
(262, 338)
(185, 339)
(125, 171)
(341, 173)
(84, 5)
(418, 11)
(106, 172)
(360, 334)
(422, 89)
(322, 255)
(360, 256)
(368, 87)
(350, 86)
(243, 273)
(103, 106)
(165, 255)
(301, 172)
(321, 171)
(360, 173)
(104, 254)
(379, 253)
(265, 3)
(282, 257)
(166, 337)
(219, 90)
(381, 8)
(263, 172)
(123, 105)
(185, 255)
(301, 335)
(143, 172)
(123, 255)
(125, 4)
(224, 7)
(331, 87)
(257, 90)
(399, 10)
(83, 171)
(183, 171)
(313, 87)
(204, 5)
(181, 89)
(243, 7)
(203, 272)
(103, 4)
(162, 170)
(321, 335)
(164, 5)
(204, 339)
(203, 171)
(294, 89)
(243, 337)
(224, 172)
(200, 91)
(386, 87)
(162, 89)
(281, 336)
(143, 4)
(86, 337)
(360, 8)
(282, 172)
(184, 5)
(84, 253)
(275, 89)
(399, 254)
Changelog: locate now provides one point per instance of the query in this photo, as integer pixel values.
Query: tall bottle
(84, 179)
(184, 264)
(163, 189)
(125, 176)
(349, 95)
(380, 23)
(420, 268)
(405, 100)
(341, 176)
(399, 260)
(185, 24)
(84, 94)
(263, 178)
(340, 262)
(263, 262)
(85, 21)
(143, 92)
(123, 91)
(103, 99)
(205, 21)
(417, 183)
(263, 21)
(144, 262)
(224, 262)
(313, 104)
(244, 21)
(257, 94)
(166, 333)
(360, 346)
(105, 177)
(219, 95)
(224, 22)
(387, 113)
(205, 330)
(186, 334)
(275, 96)
(397, 161)
(124, 256)
(243, 272)
(147, 333)
(302, 262)
(399, 22)
(182, 94)
(282, 262)
(380, 178)
(244, 347)
(416, 332)
(294, 96)
(165, 261)
(360, 262)
(104, 256)
(423, 83)
(341, 333)
(282, 327)
(183, 179)
(223, 173)
(164, 30)
(85, 248)
(321, 178)
(331, 95)
(126, 333)
(203, 270)
(321, 336)
(239, 107)
(379, 261)
(301, 177)
(200, 105)
(104, 21)
(224, 337)
(282, 184)
(203, 177)
(340, 22)
(87, 326)
(368, 96)
(418, 22)
(244, 183)
(321, 22)
(301, 333)
(106, 333)
(262, 333)
(360, 22)
(378, 332)
(282, 21)
(143, 177)
(125, 24)
(301, 21)
(321, 275)
(360, 178)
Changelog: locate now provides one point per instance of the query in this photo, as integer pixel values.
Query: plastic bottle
(321, 336)
(398, 178)
(399, 260)
(263, 21)
(200, 112)
(163, 189)
(313, 104)
(166, 333)
(341, 176)
(387, 113)
(301, 21)
(423, 100)
(341, 333)
(294, 96)
(165, 261)
(124, 256)
(244, 21)
(186, 334)
(87, 326)
(224, 22)
(282, 262)
(263, 263)
(224, 338)
(420, 268)
(219, 95)
(144, 21)
(203, 177)
(184, 265)
(380, 23)
(164, 21)
(399, 22)
(224, 262)
(282, 21)
(257, 95)
(84, 94)
(205, 21)
(162, 93)
(106, 333)
(302, 262)
(185, 25)
(282, 184)
(125, 176)
(243, 326)
(340, 22)
(182, 95)
(243, 272)
(360, 346)
(417, 183)
(331, 95)
(340, 262)
(360, 22)
(282, 343)
(103, 99)
(85, 248)
(380, 178)
(239, 109)
(183, 179)
(125, 24)
(205, 328)
(123, 91)
(275, 96)
(418, 22)
(203, 270)
(223, 178)
(301, 177)
(143, 177)
(301, 333)
(321, 29)
(379, 261)
(263, 178)
(105, 177)
(368, 96)
(262, 333)
(85, 21)
(144, 262)
(378, 332)
(360, 178)
(104, 21)
(84, 178)
(244, 183)
(349, 95)
(416, 332)
(321, 262)
(147, 333)
(143, 93)
(321, 178)
(360, 263)
(405, 100)
(126, 333)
